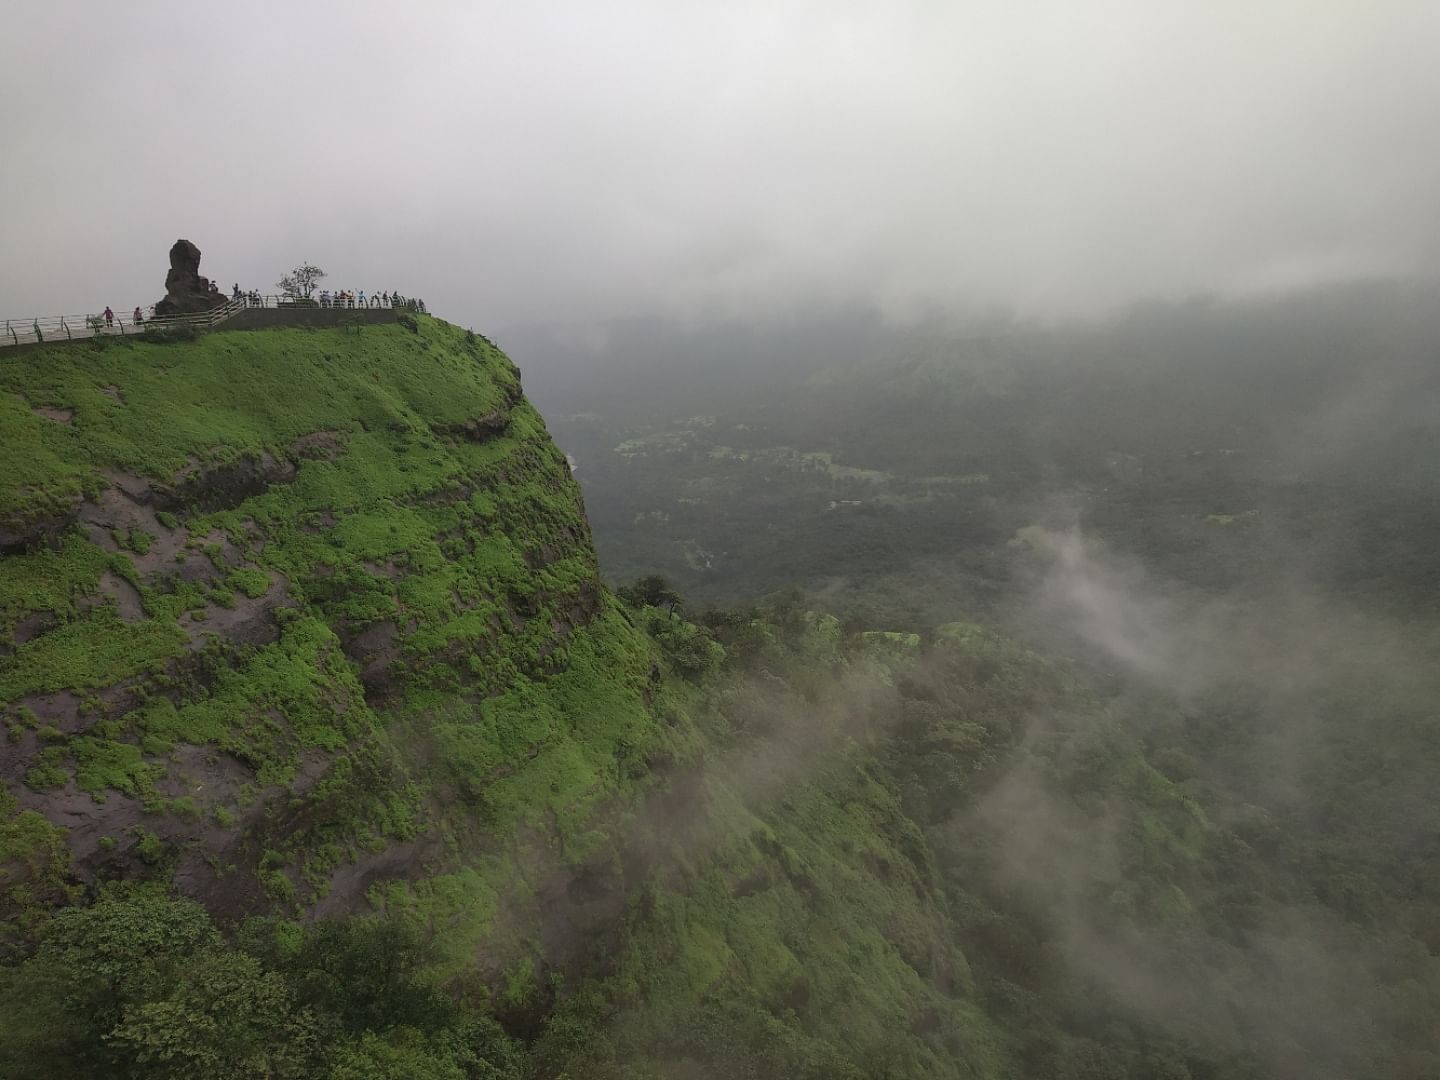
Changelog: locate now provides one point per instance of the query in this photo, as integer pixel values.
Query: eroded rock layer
(287, 617)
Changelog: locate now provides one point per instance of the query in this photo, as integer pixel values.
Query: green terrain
(1224, 445)
(328, 753)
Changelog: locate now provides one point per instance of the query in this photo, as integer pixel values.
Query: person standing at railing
(137, 318)
(109, 316)
(361, 297)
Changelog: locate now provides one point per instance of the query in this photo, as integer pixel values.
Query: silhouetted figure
(137, 318)
(109, 316)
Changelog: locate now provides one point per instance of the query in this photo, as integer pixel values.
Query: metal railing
(39, 329)
(350, 301)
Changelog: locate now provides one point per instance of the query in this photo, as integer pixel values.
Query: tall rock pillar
(185, 290)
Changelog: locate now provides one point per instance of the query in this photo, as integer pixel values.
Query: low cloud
(583, 163)
(1279, 696)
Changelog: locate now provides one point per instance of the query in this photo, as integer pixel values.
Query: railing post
(11, 331)
(66, 327)
(35, 323)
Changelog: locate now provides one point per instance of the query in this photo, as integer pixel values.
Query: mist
(1027, 413)
(575, 166)
(1271, 686)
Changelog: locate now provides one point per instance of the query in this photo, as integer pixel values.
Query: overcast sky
(581, 161)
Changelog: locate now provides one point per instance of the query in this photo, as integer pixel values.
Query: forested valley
(1219, 517)
(995, 701)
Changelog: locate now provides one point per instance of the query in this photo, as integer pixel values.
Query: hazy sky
(574, 161)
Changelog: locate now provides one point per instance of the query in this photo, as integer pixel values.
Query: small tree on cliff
(301, 281)
(652, 591)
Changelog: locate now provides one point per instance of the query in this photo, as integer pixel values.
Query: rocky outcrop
(485, 427)
(185, 290)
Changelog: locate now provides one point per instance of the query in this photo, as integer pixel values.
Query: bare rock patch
(124, 595)
(208, 488)
(319, 445)
(88, 821)
(375, 648)
(33, 625)
(249, 622)
(18, 535)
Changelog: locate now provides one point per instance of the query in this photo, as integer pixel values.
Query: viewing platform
(247, 313)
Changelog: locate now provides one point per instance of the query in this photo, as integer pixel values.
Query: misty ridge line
(1292, 639)
(1292, 653)
(1068, 858)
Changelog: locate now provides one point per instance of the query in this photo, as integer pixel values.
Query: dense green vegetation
(289, 617)
(329, 755)
(1225, 513)
(1224, 445)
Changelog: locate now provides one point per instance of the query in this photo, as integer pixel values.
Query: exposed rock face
(185, 289)
(229, 589)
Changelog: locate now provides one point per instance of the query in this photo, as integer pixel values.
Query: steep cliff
(288, 617)
(326, 754)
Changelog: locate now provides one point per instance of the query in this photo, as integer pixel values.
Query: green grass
(476, 556)
(34, 869)
(519, 715)
(93, 651)
(223, 396)
(51, 580)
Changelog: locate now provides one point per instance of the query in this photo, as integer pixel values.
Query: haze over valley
(694, 542)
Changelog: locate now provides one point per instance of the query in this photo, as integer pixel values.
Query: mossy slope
(304, 624)
(287, 614)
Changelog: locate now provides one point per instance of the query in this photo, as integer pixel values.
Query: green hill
(328, 754)
(289, 615)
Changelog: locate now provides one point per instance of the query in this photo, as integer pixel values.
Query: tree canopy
(301, 282)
